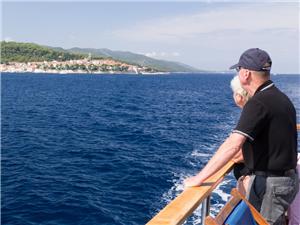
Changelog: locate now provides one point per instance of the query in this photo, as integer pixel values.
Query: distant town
(87, 66)
(19, 57)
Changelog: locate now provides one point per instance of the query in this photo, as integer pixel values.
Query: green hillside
(29, 52)
(138, 59)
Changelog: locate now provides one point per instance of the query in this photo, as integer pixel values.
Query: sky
(208, 35)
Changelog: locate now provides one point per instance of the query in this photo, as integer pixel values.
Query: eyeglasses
(238, 69)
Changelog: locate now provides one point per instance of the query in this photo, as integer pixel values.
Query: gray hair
(237, 88)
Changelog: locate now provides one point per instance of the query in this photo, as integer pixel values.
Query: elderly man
(266, 133)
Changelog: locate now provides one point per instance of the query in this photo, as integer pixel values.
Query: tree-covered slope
(29, 52)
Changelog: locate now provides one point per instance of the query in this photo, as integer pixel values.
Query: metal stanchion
(205, 208)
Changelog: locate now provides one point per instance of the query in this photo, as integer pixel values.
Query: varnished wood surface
(257, 216)
(229, 206)
(183, 206)
(224, 212)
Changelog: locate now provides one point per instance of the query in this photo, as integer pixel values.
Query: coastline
(83, 66)
(87, 73)
(132, 73)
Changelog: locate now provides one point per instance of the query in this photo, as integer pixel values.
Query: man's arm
(226, 152)
(238, 158)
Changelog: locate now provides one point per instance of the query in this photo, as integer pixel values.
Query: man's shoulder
(255, 101)
(271, 95)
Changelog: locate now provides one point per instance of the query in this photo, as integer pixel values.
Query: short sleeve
(252, 120)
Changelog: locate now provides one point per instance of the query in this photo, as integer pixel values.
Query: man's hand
(192, 182)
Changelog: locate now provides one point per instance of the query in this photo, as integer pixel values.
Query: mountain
(30, 52)
(137, 59)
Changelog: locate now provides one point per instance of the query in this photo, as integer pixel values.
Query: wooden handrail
(177, 211)
(236, 197)
(257, 216)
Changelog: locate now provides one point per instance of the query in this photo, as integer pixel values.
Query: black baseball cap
(254, 59)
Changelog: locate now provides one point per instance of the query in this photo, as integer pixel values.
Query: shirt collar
(264, 86)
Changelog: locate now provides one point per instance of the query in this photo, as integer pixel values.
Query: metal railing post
(205, 209)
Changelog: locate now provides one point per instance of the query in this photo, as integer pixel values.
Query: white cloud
(8, 39)
(72, 37)
(160, 55)
(213, 39)
(239, 18)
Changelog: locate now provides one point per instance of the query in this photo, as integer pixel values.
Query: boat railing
(179, 209)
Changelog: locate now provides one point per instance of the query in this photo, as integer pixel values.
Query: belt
(285, 173)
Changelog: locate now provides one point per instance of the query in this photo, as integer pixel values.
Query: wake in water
(219, 196)
(218, 199)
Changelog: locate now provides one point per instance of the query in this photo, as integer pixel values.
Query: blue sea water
(110, 149)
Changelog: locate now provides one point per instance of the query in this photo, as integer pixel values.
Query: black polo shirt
(268, 120)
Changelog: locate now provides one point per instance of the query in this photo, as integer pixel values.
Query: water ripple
(109, 149)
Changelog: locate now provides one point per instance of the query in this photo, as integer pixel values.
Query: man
(266, 133)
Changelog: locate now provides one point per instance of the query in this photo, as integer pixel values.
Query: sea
(111, 149)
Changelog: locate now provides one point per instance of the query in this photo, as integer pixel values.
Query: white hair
(238, 89)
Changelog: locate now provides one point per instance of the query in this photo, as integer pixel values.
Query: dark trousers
(271, 196)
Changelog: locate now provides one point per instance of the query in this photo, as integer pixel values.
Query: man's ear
(247, 75)
(240, 97)
(239, 100)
